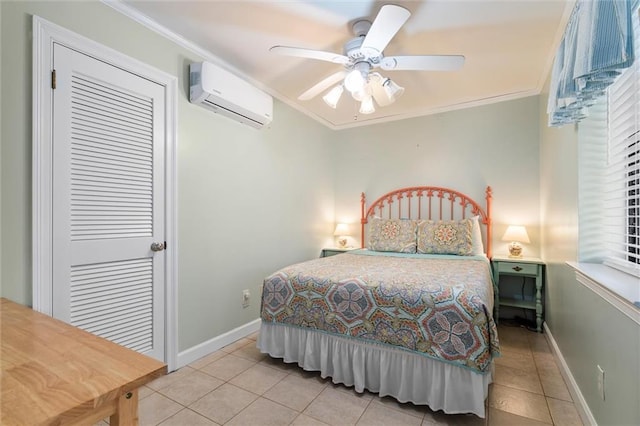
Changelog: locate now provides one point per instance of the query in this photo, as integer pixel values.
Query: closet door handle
(157, 246)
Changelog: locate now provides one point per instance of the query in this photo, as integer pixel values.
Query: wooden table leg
(127, 410)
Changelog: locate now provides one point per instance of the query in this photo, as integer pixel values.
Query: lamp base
(515, 250)
(342, 242)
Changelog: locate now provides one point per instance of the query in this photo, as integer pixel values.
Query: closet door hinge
(53, 79)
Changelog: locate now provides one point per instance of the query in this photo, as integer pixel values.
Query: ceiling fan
(363, 54)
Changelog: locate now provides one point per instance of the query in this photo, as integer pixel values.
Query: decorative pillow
(397, 235)
(445, 237)
(476, 237)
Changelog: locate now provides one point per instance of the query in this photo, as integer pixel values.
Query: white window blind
(609, 173)
(622, 178)
(592, 169)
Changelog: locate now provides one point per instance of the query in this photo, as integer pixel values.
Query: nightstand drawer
(518, 268)
(331, 251)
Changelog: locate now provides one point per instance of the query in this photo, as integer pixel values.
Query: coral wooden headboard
(429, 203)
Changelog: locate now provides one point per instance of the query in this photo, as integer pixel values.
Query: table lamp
(342, 232)
(516, 235)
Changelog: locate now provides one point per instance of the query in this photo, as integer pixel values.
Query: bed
(409, 315)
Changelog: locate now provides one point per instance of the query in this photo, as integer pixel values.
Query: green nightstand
(332, 251)
(525, 267)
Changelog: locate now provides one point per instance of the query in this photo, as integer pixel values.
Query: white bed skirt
(379, 369)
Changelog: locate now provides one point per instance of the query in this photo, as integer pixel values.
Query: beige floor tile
(144, 392)
(167, 380)
(313, 375)
(304, 420)
(538, 343)
(440, 418)
(227, 367)
(264, 413)
(379, 415)
(187, 417)
(521, 403)
(526, 380)
(545, 362)
(191, 387)
(553, 383)
(526, 364)
(407, 407)
(250, 352)
(365, 395)
(564, 413)
(555, 387)
(513, 338)
(237, 345)
(222, 404)
(516, 359)
(279, 364)
(296, 390)
(204, 361)
(502, 418)
(258, 379)
(253, 336)
(155, 408)
(336, 407)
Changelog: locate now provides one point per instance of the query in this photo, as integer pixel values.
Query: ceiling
(508, 47)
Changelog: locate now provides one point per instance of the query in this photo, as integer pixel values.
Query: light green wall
(467, 150)
(248, 201)
(588, 330)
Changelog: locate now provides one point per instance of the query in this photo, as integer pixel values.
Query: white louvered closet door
(108, 207)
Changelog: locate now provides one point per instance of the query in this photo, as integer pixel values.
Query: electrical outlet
(601, 382)
(246, 298)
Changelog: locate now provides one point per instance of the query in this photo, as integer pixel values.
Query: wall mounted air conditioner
(226, 94)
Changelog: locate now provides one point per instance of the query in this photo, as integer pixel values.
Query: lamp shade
(333, 96)
(366, 107)
(354, 81)
(392, 90)
(342, 229)
(516, 233)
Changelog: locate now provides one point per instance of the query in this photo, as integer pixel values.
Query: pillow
(445, 237)
(477, 247)
(397, 235)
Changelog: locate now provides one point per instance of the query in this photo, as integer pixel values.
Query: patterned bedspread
(437, 306)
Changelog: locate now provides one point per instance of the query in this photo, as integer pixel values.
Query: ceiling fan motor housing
(361, 28)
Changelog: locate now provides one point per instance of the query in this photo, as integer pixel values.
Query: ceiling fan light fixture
(366, 107)
(359, 95)
(392, 90)
(354, 81)
(333, 96)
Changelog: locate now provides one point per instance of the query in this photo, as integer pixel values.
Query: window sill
(618, 288)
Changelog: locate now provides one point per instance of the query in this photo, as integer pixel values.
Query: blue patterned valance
(597, 45)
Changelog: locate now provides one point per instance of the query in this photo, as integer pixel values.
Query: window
(633, 202)
(609, 173)
(622, 205)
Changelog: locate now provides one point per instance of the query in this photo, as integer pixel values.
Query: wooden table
(54, 373)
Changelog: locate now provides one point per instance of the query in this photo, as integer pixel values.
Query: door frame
(45, 34)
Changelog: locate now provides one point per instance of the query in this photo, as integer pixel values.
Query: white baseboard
(574, 390)
(205, 348)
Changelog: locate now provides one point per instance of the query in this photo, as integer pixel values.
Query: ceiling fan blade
(423, 62)
(322, 86)
(388, 22)
(336, 58)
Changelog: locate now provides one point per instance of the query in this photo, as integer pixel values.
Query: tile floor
(240, 386)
